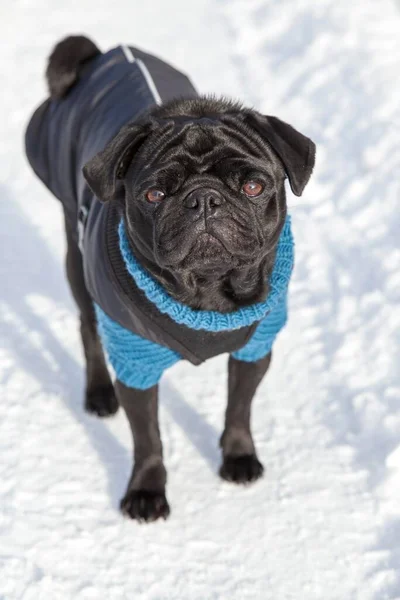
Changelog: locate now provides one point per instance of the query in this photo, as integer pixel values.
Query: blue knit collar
(211, 320)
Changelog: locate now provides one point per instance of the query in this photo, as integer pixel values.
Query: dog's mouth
(220, 243)
(207, 239)
(205, 252)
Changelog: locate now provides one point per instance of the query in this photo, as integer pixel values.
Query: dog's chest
(116, 292)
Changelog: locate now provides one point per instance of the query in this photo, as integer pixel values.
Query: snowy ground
(324, 523)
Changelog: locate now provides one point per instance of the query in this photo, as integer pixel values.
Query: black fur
(208, 244)
(66, 61)
(215, 259)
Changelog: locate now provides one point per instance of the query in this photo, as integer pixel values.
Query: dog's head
(201, 185)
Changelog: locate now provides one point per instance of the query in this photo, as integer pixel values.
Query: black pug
(179, 244)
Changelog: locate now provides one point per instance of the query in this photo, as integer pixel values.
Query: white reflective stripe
(128, 54)
(149, 81)
(145, 72)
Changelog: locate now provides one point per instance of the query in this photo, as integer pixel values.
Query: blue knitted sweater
(139, 363)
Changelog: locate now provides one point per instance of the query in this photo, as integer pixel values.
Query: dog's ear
(296, 151)
(104, 170)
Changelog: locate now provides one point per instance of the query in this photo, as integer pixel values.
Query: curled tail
(65, 63)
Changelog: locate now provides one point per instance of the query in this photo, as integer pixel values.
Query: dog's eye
(155, 195)
(252, 188)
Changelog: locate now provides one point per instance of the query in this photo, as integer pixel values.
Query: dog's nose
(203, 199)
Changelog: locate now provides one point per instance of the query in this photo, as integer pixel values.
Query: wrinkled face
(200, 186)
(204, 196)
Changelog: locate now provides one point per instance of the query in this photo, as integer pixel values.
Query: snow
(325, 520)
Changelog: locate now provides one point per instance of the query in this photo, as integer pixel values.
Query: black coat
(62, 136)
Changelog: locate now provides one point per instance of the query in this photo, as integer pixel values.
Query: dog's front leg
(240, 462)
(145, 498)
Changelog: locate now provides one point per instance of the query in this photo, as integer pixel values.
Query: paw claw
(241, 469)
(144, 506)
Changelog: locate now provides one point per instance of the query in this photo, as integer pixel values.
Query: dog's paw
(101, 400)
(241, 469)
(145, 506)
